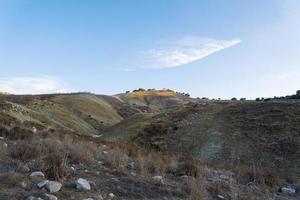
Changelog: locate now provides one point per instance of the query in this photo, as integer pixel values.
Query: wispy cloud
(33, 85)
(184, 51)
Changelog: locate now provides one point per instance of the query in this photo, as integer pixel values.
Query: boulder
(50, 197)
(82, 184)
(53, 186)
(288, 190)
(42, 184)
(158, 179)
(38, 173)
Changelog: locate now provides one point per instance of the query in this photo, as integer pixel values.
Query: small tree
(298, 93)
(233, 99)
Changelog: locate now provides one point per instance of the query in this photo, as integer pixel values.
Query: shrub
(24, 150)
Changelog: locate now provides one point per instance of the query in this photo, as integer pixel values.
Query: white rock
(1, 138)
(38, 173)
(83, 184)
(88, 199)
(53, 186)
(224, 177)
(23, 184)
(111, 195)
(220, 196)
(42, 184)
(33, 198)
(288, 190)
(158, 179)
(5, 144)
(105, 152)
(50, 197)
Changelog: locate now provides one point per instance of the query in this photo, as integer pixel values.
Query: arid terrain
(148, 144)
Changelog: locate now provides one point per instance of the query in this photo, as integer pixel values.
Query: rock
(111, 195)
(38, 173)
(42, 184)
(24, 185)
(33, 198)
(88, 199)
(83, 184)
(53, 186)
(105, 152)
(50, 197)
(220, 196)
(288, 190)
(100, 197)
(4, 144)
(224, 177)
(158, 179)
(1, 138)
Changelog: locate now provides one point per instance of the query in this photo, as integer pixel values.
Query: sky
(208, 48)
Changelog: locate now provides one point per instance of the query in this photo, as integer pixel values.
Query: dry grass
(9, 180)
(253, 174)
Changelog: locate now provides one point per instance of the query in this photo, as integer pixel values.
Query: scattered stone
(1, 138)
(88, 199)
(288, 190)
(73, 169)
(34, 130)
(133, 173)
(158, 179)
(38, 173)
(224, 177)
(111, 195)
(42, 184)
(33, 198)
(83, 184)
(97, 172)
(100, 197)
(4, 144)
(86, 171)
(53, 186)
(50, 197)
(24, 184)
(220, 196)
(105, 152)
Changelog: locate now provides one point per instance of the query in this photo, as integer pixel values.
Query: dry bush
(190, 167)
(80, 152)
(25, 150)
(248, 174)
(4, 132)
(19, 133)
(9, 180)
(53, 161)
(196, 190)
(3, 150)
(117, 159)
(219, 187)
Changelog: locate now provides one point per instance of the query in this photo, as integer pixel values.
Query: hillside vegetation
(152, 144)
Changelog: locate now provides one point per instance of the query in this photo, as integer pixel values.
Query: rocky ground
(65, 166)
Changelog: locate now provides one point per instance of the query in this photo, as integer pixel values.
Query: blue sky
(213, 48)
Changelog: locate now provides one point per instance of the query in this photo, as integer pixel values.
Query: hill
(228, 132)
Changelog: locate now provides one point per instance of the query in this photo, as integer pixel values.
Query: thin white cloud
(184, 51)
(33, 85)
